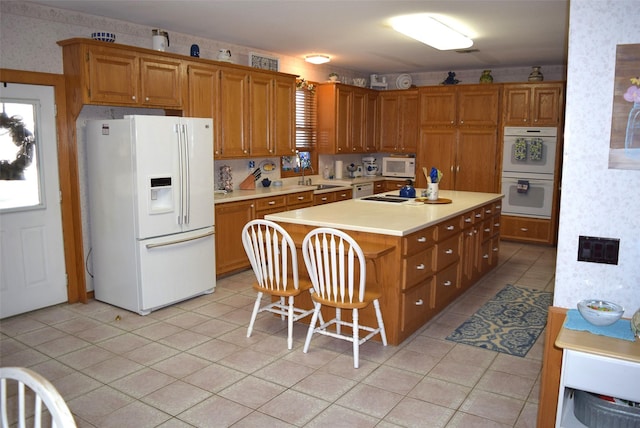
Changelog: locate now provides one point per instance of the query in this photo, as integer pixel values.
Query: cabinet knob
(272, 202)
(467, 220)
(450, 227)
(449, 251)
(133, 97)
(324, 199)
(478, 215)
(524, 229)
(496, 225)
(422, 239)
(486, 256)
(244, 151)
(495, 249)
(487, 230)
(420, 266)
(419, 302)
(146, 98)
(300, 198)
(446, 283)
(461, 122)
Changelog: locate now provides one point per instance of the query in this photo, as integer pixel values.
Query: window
(19, 175)
(306, 133)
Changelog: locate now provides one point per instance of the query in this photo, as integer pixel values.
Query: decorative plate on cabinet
(403, 81)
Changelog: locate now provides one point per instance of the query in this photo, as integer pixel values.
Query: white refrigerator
(151, 210)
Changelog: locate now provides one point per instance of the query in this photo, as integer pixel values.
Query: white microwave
(399, 167)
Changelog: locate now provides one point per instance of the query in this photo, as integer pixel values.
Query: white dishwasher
(361, 190)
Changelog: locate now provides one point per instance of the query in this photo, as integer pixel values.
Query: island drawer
(419, 241)
(263, 204)
(448, 228)
(447, 252)
(417, 305)
(489, 253)
(447, 285)
(418, 267)
(472, 217)
(486, 229)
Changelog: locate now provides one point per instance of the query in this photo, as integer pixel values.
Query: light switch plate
(598, 250)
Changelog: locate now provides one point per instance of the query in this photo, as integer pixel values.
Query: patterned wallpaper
(597, 201)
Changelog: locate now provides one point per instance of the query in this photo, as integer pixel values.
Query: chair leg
(282, 304)
(290, 324)
(356, 340)
(383, 333)
(254, 314)
(312, 326)
(339, 318)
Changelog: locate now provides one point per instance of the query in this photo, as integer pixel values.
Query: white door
(32, 273)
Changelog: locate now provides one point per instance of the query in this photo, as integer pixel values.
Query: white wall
(597, 201)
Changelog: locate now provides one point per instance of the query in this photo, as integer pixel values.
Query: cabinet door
(284, 122)
(261, 104)
(547, 105)
(516, 105)
(161, 82)
(437, 106)
(230, 219)
(343, 120)
(234, 113)
(203, 98)
(409, 122)
(478, 105)
(358, 115)
(371, 123)
(476, 160)
(437, 148)
(389, 105)
(114, 77)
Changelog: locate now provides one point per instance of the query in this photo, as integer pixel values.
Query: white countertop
(397, 219)
(264, 192)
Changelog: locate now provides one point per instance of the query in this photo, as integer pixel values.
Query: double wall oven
(528, 167)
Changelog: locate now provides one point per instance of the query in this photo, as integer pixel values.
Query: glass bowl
(600, 312)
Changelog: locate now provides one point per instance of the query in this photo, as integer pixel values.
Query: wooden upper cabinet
(398, 121)
(120, 78)
(465, 105)
(533, 104)
(203, 86)
(261, 110)
(346, 119)
(234, 113)
(284, 120)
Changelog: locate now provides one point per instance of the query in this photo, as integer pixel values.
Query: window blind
(306, 123)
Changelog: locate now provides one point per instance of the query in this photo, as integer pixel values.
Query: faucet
(301, 182)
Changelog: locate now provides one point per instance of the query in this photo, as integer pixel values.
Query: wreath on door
(22, 138)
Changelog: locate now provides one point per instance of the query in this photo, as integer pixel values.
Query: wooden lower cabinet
(526, 229)
(231, 218)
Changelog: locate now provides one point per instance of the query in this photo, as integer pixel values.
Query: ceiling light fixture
(424, 28)
(317, 59)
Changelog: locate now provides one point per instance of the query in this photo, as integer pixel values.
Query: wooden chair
(274, 261)
(337, 268)
(32, 390)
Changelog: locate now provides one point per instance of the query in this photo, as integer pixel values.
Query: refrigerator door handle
(180, 172)
(179, 241)
(187, 174)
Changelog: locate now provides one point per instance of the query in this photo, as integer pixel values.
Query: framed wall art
(265, 62)
(624, 145)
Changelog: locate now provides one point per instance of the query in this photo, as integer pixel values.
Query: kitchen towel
(520, 149)
(535, 149)
(620, 329)
(523, 186)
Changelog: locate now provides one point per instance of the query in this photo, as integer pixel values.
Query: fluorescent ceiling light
(317, 59)
(427, 30)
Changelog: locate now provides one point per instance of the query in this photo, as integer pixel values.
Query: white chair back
(44, 391)
(272, 254)
(336, 265)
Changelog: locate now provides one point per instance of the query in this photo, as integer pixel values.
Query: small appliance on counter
(400, 167)
(369, 166)
(354, 170)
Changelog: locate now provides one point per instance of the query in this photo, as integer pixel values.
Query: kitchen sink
(327, 186)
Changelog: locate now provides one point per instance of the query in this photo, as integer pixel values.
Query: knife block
(249, 183)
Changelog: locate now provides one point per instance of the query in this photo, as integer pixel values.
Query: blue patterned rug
(509, 323)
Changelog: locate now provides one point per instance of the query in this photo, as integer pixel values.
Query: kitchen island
(421, 256)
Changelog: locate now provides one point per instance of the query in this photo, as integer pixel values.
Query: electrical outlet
(598, 250)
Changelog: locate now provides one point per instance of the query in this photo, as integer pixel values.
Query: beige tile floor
(191, 364)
